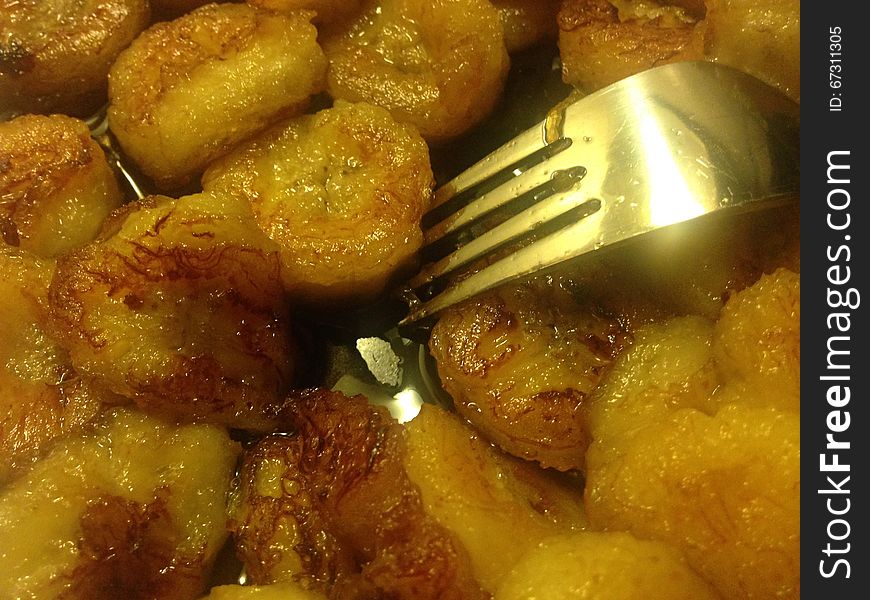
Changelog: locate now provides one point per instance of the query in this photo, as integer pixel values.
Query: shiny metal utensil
(675, 143)
(98, 124)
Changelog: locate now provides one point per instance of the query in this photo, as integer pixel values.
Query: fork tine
(560, 199)
(582, 235)
(98, 124)
(572, 240)
(530, 148)
(538, 182)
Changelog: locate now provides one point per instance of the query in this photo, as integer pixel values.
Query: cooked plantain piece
(688, 449)
(527, 22)
(187, 90)
(438, 65)
(352, 502)
(498, 506)
(757, 343)
(42, 398)
(761, 37)
(520, 363)
(331, 506)
(56, 187)
(342, 192)
(602, 41)
(328, 11)
(55, 54)
(604, 565)
(134, 510)
(179, 306)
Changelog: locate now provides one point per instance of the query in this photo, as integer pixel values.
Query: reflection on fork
(679, 142)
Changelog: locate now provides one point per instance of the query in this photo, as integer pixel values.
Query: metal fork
(679, 142)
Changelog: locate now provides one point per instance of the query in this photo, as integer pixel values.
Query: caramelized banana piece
(56, 187)
(133, 510)
(757, 343)
(688, 451)
(187, 90)
(498, 506)
(342, 192)
(724, 489)
(603, 41)
(328, 11)
(612, 565)
(520, 364)
(331, 506)
(438, 65)
(179, 307)
(527, 22)
(761, 37)
(55, 54)
(276, 591)
(41, 396)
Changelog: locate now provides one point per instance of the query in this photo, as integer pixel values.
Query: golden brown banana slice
(42, 398)
(55, 54)
(342, 192)
(611, 565)
(352, 501)
(603, 41)
(761, 37)
(520, 364)
(331, 506)
(498, 506)
(277, 591)
(56, 187)
(688, 450)
(757, 343)
(328, 11)
(437, 65)
(134, 510)
(188, 90)
(179, 306)
(527, 22)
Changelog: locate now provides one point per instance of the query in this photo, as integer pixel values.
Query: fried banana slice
(438, 65)
(757, 343)
(519, 364)
(332, 507)
(328, 11)
(603, 41)
(55, 54)
(527, 22)
(599, 566)
(134, 510)
(686, 452)
(42, 398)
(342, 192)
(179, 306)
(761, 37)
(187, 90)
(498, 506)
(56, 187)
